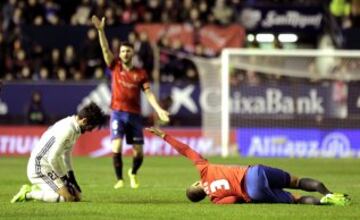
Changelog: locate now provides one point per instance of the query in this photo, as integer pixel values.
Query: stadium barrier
(20, 140)
(248, 142)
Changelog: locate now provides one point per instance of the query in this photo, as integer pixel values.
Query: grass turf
(162, 191)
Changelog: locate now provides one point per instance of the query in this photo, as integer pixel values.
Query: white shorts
(43, 176)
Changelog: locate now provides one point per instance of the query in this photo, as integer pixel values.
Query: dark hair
(94, 115)
(127, 44)
(195, 193)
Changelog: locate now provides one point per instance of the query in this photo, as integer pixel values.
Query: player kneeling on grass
(49, 168)
(226, 184)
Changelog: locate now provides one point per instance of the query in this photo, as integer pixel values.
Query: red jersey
(223, 184)
(126, 87)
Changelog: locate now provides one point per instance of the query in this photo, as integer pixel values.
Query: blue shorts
(265, 185)
(127, 124)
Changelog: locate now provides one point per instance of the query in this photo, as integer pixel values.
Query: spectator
(51, 10)
(43, 73)
(146, 54)
(168, 14)
(99, 8)
(61, 74)
(55, 61)
(185, 9)
(155, 10)
(35, 111)
(82, 14)
(33, 11)
(2, 55)
(91, 54)
(8, 12)
(70, 60)
(129, 14)
(222, 12)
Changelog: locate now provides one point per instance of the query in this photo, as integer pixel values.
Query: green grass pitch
(162, 193)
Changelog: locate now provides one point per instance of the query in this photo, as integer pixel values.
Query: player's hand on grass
(69, 191)
(99, 24)
(65, 193)
(156, 131)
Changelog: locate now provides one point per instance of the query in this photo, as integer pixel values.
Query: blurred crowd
(21, 58)
(78, 12)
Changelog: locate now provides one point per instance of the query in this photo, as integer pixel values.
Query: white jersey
(52, 155)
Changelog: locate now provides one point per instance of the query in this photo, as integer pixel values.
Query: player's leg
(310, 200)
(45, 187)
(117, 162)
(117, 132)
(274, 180)
(264, 184)
(281, 179)
(309, 185)
(135, 136)
(312, 185)
(137, 161)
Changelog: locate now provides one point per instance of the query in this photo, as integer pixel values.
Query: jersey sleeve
(114, 63)
(184, 150)
(56, 153)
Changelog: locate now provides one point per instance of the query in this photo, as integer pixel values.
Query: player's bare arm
(182, 148)
(156, 131)
(99, 25)
(163, 114)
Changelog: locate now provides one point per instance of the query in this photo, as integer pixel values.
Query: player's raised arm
(180, 147)
(163, 115)
(99, 25)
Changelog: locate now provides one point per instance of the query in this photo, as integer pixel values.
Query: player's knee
(116, 146)
(294, 181)
(138, 151)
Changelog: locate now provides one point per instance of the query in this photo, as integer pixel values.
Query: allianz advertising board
(298, 143)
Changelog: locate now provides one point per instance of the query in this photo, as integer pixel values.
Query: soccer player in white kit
(50, 168)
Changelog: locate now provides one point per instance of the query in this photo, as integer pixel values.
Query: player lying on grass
(49, 168)
(226, 184)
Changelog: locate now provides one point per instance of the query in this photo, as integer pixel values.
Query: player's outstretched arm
(180, 147)
(99, 25)
(163, 114)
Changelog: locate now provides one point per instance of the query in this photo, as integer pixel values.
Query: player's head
(90, 117)
(195, 192)
(126, 52)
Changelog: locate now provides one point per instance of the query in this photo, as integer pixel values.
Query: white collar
(76, 124)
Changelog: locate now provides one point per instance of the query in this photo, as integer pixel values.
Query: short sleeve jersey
(126, 87)
(219, 181)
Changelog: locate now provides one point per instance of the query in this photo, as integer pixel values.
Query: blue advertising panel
(188, 100)
(59, 99)
(301, 143)
(263, 101)
(282, 101)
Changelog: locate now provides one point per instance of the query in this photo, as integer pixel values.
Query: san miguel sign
(290, 19)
